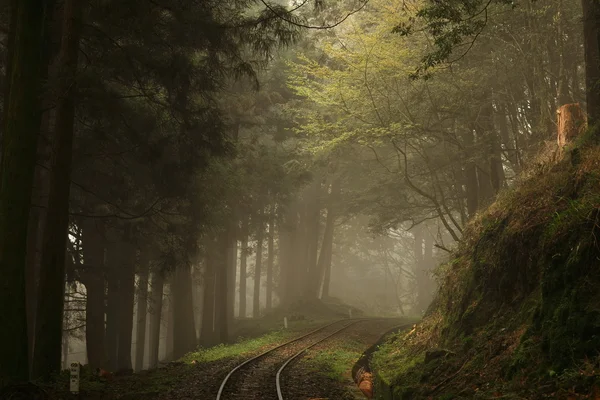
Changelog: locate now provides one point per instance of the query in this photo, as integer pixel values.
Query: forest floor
(198, 375)
(323, 372)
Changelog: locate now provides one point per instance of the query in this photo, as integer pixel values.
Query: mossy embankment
(518, 311)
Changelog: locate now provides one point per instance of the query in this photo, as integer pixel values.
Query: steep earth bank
(518, 312)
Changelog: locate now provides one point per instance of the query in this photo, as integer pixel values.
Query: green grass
(334, 363)
(245, 347)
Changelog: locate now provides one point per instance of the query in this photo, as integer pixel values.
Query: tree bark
(126, 299)
(470, 171)
(326, 254)
(270, 259)
(22, 118)
(207, 329)
(142, 309)
(221, 294)
(591, 32)
(232, 269)
(170, 312)
(243, 268)
(313, 217)
(112, 304)
(156, 304)
(92, 277)
(290, 242)
(46, 360)
(184, 331)
(258, 267)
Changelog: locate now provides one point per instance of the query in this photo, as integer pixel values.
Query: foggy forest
(300, 199)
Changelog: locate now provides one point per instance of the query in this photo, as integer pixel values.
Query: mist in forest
(176, 174)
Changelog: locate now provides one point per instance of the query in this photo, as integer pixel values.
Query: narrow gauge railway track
(259, 377)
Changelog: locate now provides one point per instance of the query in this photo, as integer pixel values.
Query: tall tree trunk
(418, 259)
(170, 313)
(591, 32)
(126, 299)
(112, 304)
(326, 253)
(156, 304)
(221, 293)
(207, 329)
(232, 270)
(258, 267)
(507, 141)
(290, 241)
(243, 268)
(184, 331)
(92, 277)
(113, 261)
(423, 250)
(46, 360)
(270, 258)
(313, 217)
(142, 309)
(471, 184)
(22, 117)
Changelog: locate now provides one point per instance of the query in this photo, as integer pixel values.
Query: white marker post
(350, 312)
(74, 384)
(285, 322)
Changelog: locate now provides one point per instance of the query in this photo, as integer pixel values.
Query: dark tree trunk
(207, 329)
(112, 304)
(184, 330)
(485, 137)
(507, 141)
(591, 32)
(221, 294)
(418, 257)
(270, 259)
(423, 253)
(22, 117)
(142, 309)
(313, 217)
(243, 268)
(471, 184)
(92, 277)
(496, 168)
(232, 270)
(326, 253)
(290, 241)
(126, 300)
(326, 282)
(48, 338)
(156, 304)
(170, 337)
(258, 267)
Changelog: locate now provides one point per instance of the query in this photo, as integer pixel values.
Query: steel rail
(222, 387)
(278, 376)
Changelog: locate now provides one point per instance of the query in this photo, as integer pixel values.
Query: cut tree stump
(572, 122)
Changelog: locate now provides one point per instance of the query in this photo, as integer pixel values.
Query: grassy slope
(519, 305)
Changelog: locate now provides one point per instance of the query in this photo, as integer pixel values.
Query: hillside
(518, 312)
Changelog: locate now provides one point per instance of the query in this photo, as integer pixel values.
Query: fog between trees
(170, 168)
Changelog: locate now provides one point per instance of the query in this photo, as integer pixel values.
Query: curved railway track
(260, 377)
